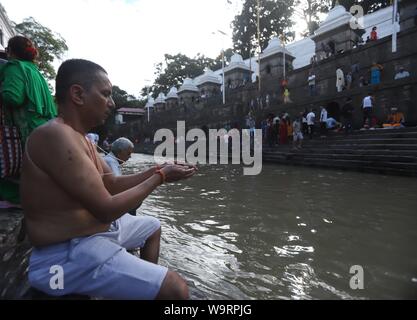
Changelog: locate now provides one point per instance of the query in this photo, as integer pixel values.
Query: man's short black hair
(75, 71)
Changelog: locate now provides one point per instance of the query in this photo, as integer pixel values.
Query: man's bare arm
(62, 155)
(119, 184)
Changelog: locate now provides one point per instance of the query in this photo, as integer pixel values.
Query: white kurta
(340, 80)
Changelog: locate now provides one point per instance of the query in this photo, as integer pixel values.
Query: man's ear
(77, 94)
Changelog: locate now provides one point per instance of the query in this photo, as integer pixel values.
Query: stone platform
(389, 151)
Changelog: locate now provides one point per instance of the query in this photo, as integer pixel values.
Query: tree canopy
(275, 19)
(122, 99)
(50, 44)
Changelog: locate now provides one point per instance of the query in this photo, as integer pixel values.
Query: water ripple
(290, 233)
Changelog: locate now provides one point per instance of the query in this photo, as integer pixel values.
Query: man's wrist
(162, 174)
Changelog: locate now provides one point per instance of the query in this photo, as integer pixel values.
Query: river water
(289, 233)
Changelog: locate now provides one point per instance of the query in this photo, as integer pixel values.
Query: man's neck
(73, 120)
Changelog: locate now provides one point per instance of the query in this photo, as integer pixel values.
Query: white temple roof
(305, 48)
(338, 16)
(150, 103)
(208, 77)
(274, 47)
(188, 85)
(236, 62)
(382, 19)
(160, 99)
(172, 94)
(302, 50)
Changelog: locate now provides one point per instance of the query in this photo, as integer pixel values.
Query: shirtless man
(75, 207)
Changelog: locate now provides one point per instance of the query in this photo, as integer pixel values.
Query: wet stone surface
(14, 254)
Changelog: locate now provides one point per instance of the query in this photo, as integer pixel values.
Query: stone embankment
(391, 151)
(14, 255)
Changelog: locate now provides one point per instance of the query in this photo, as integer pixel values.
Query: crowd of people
(317, 122)
(281, 130)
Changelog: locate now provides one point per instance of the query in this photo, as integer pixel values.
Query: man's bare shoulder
(52, 133)
(49, 144)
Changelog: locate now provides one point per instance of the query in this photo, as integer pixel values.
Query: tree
(275, 20)
(368, 6)
(218, 62)
(310, 10)
(120, 97)
(49, 44)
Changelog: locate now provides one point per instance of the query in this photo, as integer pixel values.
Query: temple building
(6, 30)
(209, 84)
(172, 99)
(160, 103)
(188, 92)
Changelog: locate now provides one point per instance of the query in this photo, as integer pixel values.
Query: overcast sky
(128, 37)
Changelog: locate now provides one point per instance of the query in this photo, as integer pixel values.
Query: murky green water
(289, 233)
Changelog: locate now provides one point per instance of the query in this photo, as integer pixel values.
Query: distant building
(7, 30)
(334, 32)
(124, 115)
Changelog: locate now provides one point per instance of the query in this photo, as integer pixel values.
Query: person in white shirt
(332, 124)
(340, 80)
(367, 106)
(121, 150)
(297, 134)
(323, 121)
(311, 117)
(93, 137)
(312, 84)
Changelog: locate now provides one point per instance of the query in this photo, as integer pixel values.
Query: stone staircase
(392, 151)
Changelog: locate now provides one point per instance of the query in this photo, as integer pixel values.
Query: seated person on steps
(394, 120)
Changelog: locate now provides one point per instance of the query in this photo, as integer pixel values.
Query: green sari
(28, 101)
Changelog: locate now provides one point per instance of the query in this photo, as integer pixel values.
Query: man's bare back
(52, 215)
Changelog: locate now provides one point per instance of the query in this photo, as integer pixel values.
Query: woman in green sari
(26, 97)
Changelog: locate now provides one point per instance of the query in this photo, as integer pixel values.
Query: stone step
(325, 142)
(353, 146)
(409, 153)
(391, 135)
(330, 156)
(366, 148)
(355, 163)
(363, 166)
(379, 131)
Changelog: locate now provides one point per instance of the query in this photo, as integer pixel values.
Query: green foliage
(50, 45)
(310, 10)
(369, 6)
(120, 97)
(124, 100)
(228, 53)
(275, 20)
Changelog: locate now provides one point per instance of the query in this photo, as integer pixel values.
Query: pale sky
(128, 37)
